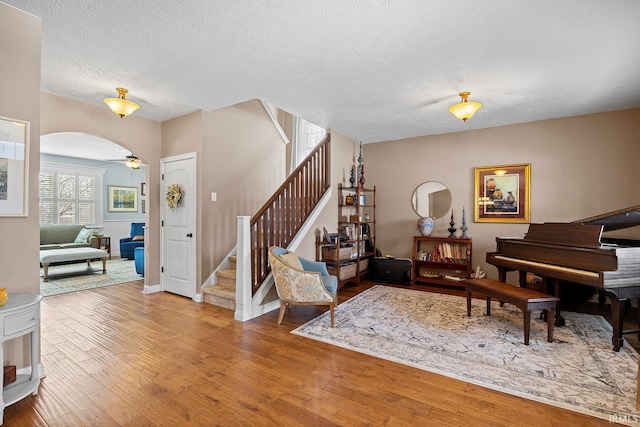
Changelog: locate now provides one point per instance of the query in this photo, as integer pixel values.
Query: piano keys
(577, 253)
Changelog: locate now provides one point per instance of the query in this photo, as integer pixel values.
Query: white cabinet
(18, 317)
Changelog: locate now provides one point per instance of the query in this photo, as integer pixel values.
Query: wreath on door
(174, 194)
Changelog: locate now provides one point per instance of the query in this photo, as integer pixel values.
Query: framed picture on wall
(142, 193)
(123, 199)
(14, 167)
(502, 193)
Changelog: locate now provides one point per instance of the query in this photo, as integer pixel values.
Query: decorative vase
(464, 227)
(4, 296)
(510, 199)
(452, 229)
(497, 195)
(425, 226)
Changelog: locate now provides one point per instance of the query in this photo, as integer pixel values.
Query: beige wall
(20, 38)
(245, 155)
(180, 136)
(240, 158)
(139, 135)
(580, 167)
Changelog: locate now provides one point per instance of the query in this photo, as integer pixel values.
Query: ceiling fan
(132, 161)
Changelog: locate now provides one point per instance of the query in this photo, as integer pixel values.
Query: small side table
(21, 316)
(104, 242)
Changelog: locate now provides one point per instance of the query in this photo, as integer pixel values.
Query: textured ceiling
(372, 70)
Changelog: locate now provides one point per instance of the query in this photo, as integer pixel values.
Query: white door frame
(193, 216)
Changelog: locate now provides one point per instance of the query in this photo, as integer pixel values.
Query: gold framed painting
(502, 193)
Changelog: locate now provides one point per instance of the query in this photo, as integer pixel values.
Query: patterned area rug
(579, 371)
(76, 277)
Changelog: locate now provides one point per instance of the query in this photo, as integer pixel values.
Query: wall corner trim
(275, 122)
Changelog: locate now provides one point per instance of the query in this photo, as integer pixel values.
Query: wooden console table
(18, 317)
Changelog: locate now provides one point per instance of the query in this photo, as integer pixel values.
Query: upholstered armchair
(300, 281)
(135, 240)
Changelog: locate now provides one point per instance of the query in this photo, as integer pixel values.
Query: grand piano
(576, 252)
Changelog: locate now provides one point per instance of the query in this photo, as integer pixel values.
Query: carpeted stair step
(227, 277)
(223, 294)
(220, 295)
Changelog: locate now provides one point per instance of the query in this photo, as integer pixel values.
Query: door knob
(190, 235)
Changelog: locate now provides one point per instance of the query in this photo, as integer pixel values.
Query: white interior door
(178, 227)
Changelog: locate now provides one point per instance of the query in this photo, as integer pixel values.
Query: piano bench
(523, 298)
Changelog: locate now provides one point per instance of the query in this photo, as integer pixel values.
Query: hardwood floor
(114, 356)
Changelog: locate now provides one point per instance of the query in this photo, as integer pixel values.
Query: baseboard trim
(151, 289)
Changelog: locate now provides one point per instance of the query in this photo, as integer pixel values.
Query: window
(70, 195)
(306, 136)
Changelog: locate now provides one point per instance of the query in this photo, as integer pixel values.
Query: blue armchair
(135, 240)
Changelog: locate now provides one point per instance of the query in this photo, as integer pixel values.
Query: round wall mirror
(431, 199)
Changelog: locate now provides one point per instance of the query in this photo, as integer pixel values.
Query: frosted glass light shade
(120, 105)
(465, 109)
(132, 164)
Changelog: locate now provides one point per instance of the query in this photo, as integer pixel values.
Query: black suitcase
(396, 271)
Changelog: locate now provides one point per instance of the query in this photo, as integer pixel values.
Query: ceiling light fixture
(120, 105)
(465, 109)
(133, 162)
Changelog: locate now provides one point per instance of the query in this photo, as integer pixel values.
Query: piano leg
(502, 277)
(602, 298)
(617, 320)
(522, 276)
(502, 274)
(558, 292)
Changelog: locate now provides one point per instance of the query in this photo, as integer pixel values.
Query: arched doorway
(79, 175)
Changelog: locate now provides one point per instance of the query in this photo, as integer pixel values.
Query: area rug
(76, 277)
(579, 371)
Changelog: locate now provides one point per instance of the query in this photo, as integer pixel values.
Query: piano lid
(616, 220)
